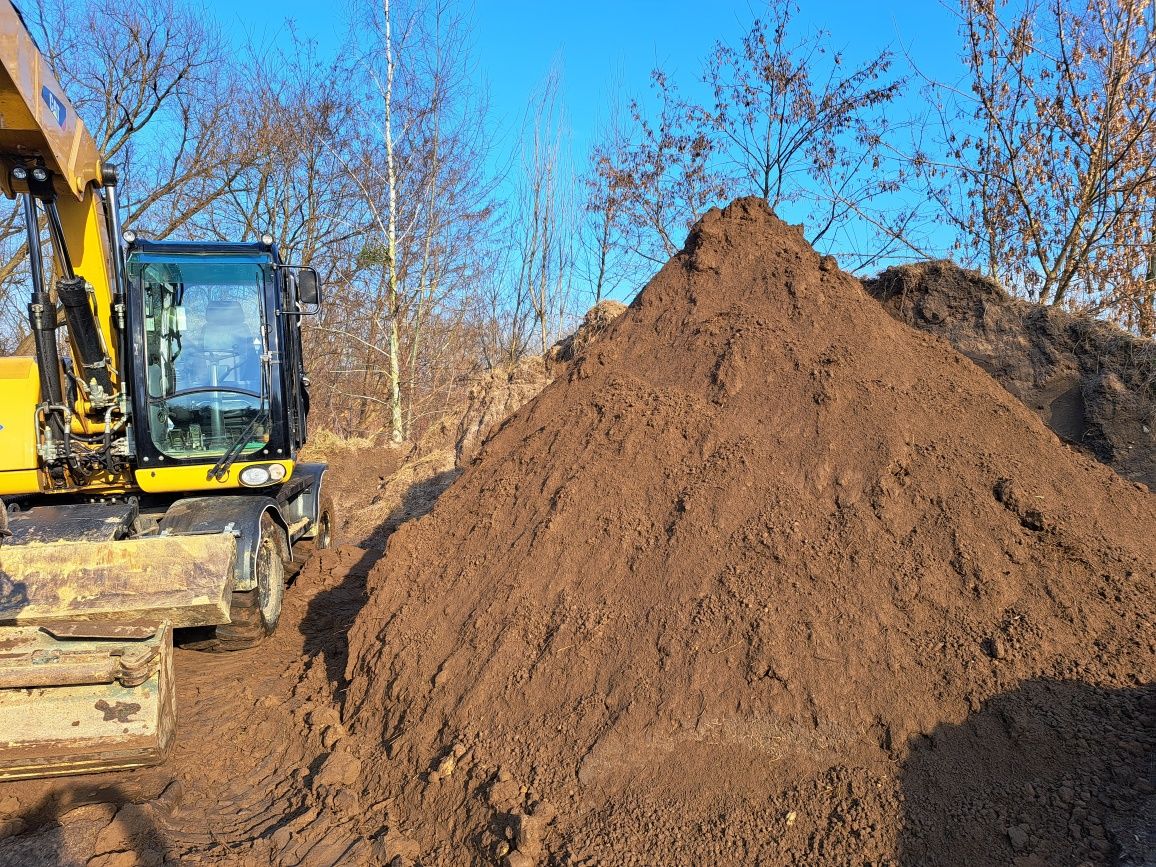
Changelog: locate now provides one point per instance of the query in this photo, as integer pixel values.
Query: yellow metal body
(175, 480)
(63, 706)
(19, 395)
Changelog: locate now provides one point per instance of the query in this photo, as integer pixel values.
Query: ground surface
(246, 780)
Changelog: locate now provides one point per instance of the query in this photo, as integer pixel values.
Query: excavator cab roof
(204, 248)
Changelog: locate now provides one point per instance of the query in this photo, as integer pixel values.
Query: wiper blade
(221, 467)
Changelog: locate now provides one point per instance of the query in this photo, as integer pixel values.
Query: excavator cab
(218, 327)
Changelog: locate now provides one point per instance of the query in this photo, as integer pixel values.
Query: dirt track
(245, 783)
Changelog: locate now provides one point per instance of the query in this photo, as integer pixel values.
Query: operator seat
(228, 343)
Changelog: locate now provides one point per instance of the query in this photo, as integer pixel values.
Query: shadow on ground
(331, 611)
(1051, 773)
(81, 823)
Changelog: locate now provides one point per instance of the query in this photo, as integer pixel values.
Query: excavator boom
(39, 121)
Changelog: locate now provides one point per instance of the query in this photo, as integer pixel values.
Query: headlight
(254, 477)
(276, 472)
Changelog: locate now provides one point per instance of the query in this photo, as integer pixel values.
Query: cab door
(296, 395)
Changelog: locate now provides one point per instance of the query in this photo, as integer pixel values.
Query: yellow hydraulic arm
(49, 160)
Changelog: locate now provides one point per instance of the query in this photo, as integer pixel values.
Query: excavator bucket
(78, 698)
(86, 646)
(186, 580)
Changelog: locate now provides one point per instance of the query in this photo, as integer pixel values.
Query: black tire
(323, 538)
(253, 613)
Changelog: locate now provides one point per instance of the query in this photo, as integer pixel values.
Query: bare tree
(605, 260)
(160, 67)
(1051, 184)
(794, 124)
(417, 158)
(150, 81)
(507, 317)
(543, 222)
(787, 121)
(667, 177)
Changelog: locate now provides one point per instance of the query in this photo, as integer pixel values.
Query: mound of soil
(769, 577)
(592, 327)
(1091, 382)
(492, 397)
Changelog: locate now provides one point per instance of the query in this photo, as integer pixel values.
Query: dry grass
(323, 443)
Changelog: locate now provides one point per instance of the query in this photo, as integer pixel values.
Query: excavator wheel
(324, 537)
(254, 612)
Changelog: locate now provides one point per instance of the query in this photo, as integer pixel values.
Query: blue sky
(601, 47)
(598, 44)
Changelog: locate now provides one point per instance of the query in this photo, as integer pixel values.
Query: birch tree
(419, 164)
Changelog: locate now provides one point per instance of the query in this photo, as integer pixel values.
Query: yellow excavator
(149, 479)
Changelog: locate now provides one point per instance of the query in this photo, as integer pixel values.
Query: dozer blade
(186, 580)
(110, 704)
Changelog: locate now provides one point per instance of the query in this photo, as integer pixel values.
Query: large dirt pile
(768, 577)
(1091, 382)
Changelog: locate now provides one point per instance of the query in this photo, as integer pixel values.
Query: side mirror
(308, 287)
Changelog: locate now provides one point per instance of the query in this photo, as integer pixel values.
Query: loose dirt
(1093, 384)
(767, 577)
(262, 771)
(594, 325)
(764, 577)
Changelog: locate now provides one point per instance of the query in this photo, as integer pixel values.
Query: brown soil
(768, 577)
(492, 396)
(593, 326)
(1091, 383)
